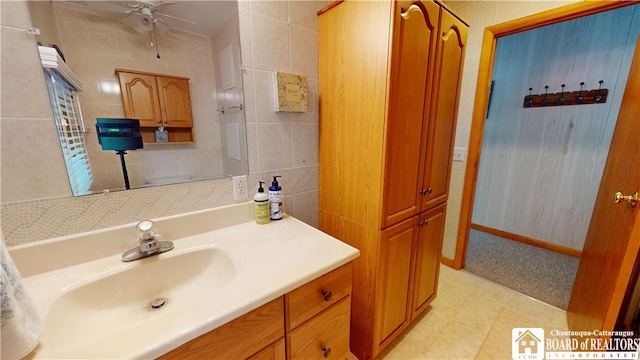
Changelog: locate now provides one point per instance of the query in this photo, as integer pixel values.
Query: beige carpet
(540, 273)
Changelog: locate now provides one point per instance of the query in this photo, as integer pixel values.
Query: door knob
(631, 199)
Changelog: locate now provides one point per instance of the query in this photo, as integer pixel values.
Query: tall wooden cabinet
(157, 100)
(390, 74)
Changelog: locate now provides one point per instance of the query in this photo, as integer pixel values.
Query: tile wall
(35, 195)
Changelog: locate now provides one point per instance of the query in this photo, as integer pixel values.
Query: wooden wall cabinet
(157, 100)
(387, 129)
(309, 322)
(427, 58)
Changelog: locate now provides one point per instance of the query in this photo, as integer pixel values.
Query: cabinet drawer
(237, 339)
(324, 336)
(310, 299)
(274, 351)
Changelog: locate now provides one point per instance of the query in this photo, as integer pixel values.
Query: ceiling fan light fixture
(139, 23)
(146, 11)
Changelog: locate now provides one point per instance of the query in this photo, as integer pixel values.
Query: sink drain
(158, 303)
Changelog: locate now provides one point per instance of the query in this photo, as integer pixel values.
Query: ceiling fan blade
(161, 27)
(159, 3)
(106, 6)
(174, 17)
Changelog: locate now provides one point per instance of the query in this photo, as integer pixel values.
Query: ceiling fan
(144, 15)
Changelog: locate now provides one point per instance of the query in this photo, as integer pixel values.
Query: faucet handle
(146, 230)
(149, 247)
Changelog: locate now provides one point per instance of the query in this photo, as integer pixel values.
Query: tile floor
(472, 318)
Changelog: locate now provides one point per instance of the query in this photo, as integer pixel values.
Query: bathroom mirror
(198, 40)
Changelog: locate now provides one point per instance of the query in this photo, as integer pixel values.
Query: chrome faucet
(149, 245)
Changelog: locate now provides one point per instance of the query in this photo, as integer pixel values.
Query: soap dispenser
(261, 205)
(275, 199)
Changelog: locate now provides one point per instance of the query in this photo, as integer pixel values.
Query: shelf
(167, 143)
(177, 135)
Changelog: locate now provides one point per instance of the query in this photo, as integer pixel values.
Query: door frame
(483, 86)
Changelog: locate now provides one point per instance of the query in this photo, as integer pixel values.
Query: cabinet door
(140, 98)
(175, 102)
(427, 258)
(413, 56)
(394, 270)
(452, 38)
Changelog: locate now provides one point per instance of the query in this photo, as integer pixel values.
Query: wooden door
(611, 247)
(175, 101)
(452, 39)
(414, 39)
(140, 98)
(394, 270)
(426, 259)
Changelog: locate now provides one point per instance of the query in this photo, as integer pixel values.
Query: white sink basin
(114, 301)
(223, 265)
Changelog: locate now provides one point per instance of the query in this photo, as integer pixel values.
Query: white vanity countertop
(269, 261)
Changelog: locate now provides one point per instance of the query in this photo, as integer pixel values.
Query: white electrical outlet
(459, 154)
(240, 187)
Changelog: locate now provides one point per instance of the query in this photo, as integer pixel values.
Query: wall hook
(599, 96)
(546, 93)
(530, 99)
(579, 98)
(564, 97)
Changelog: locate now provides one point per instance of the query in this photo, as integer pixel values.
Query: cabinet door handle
(423, 222)
(326, 351)
(326, 295)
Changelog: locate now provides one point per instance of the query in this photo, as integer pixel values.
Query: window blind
(68, 117)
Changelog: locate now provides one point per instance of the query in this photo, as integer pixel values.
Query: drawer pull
(326, 295)
(326, 351)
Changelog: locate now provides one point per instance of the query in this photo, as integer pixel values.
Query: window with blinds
(68, 117)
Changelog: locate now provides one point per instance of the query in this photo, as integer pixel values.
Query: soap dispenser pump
(275, 199)
(261, 205)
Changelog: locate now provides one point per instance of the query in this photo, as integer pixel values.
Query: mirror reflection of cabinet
(157, 100)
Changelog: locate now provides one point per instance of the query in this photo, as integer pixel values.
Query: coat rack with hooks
(578, 97)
